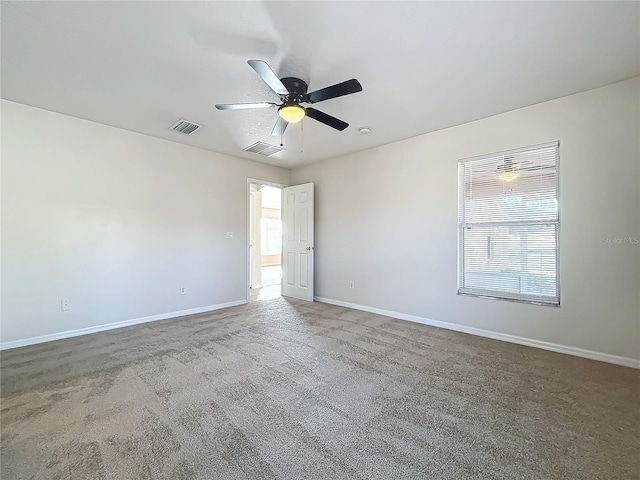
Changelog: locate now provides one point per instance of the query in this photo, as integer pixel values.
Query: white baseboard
(110, 326)
(554, 347)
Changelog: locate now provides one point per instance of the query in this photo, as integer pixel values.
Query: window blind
(508, 225)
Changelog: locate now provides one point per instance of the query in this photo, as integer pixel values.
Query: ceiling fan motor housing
(297, 90)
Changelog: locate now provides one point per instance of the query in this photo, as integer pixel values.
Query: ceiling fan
(293, 92)
(510, 170)
(507, 172)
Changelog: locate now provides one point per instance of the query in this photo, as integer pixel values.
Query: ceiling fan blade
(280, 127)
(326, 119)
(337, 90)
(269, 77)
(243, 106)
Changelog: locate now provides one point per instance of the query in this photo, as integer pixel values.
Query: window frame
(462, 226)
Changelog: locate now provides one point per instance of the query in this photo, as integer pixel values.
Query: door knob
(309, 248)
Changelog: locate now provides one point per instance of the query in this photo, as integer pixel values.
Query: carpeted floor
(294, 390)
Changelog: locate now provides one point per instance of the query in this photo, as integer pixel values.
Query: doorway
(265, 241)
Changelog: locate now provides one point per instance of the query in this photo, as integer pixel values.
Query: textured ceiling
(423, 66)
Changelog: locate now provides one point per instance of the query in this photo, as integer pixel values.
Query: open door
(297, 242)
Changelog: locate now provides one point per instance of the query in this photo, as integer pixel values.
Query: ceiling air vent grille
(185, 126)
(264, 149)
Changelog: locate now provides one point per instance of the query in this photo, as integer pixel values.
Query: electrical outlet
(64, 305)
(183, 290)
(352, 285)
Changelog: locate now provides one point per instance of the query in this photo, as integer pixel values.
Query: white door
(297, 241)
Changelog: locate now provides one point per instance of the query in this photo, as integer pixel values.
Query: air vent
(264, 149)
(185, 126)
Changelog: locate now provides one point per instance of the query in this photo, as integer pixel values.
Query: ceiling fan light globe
(292, 113)
(509, 176)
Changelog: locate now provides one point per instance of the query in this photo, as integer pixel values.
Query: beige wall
(271, 260)
(115, 222)
(386, 218)
(271, 213)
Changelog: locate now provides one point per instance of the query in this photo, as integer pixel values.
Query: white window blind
(508, 225)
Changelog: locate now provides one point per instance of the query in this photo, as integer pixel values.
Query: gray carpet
(291, 390)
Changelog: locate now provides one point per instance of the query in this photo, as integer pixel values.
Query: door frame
(253, 181)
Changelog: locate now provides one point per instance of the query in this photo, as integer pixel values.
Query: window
(271, 236)
(508, 225)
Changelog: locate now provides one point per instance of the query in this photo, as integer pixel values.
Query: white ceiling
(423, 66)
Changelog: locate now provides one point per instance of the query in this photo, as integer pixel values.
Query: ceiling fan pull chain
(302, 136)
